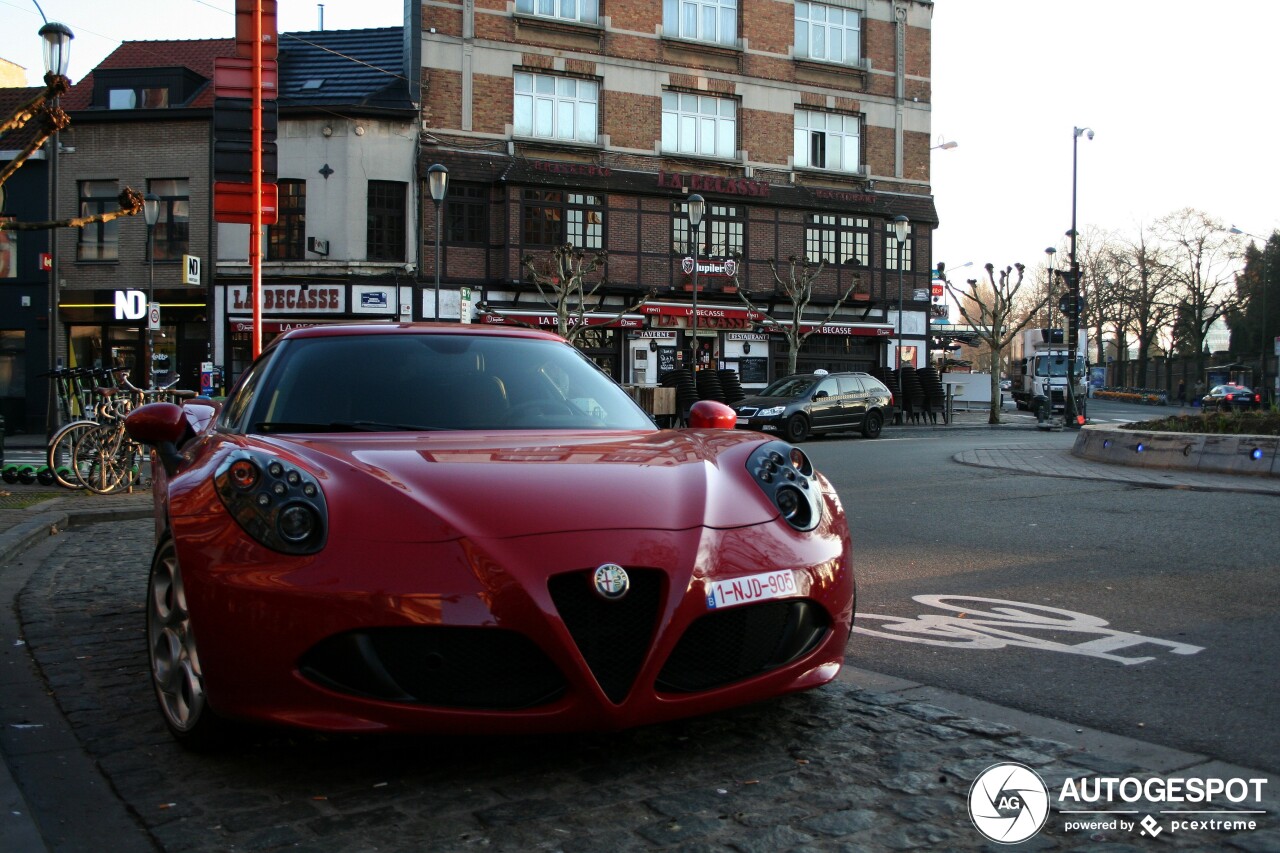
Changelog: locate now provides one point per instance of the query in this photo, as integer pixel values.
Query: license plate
(745, 590)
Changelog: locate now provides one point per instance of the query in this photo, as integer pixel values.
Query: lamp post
(697, 206)
(57, 59)
(1072, 420)
(151, 213)
(901, 225)
(1051, 255)
(1266, 281)
(438, 179)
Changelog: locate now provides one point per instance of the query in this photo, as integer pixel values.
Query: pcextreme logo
(1009, 803)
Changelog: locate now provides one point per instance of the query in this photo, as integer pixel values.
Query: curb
(1246, 455)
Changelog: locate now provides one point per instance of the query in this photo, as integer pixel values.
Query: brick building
(805, 126)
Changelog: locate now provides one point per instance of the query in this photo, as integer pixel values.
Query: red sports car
(434, 528)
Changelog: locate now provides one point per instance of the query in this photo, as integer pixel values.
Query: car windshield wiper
(379, 426)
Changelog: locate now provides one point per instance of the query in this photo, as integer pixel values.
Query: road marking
(971, 627)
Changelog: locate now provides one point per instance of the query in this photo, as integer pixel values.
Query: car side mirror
(819, 395)
(709, 414)
(162, 426)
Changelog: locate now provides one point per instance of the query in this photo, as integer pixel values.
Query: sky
(1178, 95)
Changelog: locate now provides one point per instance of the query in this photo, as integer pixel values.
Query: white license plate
(744, 590)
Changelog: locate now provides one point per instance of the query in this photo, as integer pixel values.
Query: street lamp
(1266, 281)
(697, 206)
(945, 146)
(1051, 255)
(438, 179)
(57, 59)
(1072, 420)
(151, 213)
(901, 225)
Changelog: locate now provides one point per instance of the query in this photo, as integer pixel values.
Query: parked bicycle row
(93, 451)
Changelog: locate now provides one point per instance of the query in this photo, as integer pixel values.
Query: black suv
(806, 403)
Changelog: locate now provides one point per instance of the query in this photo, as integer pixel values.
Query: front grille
(457, 667)
(613, 635)
(729, 645)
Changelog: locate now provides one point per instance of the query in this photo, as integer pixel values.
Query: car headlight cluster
(787, 476)
(279, 505)
(771, 412)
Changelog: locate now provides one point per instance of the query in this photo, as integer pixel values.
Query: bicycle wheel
(59, 456)
(101, 459)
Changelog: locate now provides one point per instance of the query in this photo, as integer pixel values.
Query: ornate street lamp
(1071, 419)
(697, 206)
(57, 59)
(901, 226)
(151, 213)
(438, 179)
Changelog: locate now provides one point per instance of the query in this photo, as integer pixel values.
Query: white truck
(1038, 374)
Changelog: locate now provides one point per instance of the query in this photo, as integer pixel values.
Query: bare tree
(1145, 284)
(797, 286)
(568, 281)
(991, 309)
(1202, 269)
(49, 118)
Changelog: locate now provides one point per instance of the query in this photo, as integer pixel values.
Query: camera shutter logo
(1008, 803)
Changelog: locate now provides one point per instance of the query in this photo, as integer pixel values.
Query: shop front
(299, 304)
(113, 329)
(601, 341)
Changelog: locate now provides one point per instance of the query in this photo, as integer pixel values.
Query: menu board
(753, 371)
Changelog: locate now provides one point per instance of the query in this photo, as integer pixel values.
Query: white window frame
(702, 125)
(580, 11)
(839, 137)
(828, 33)
(548, 106)
(714, 21)
(891, 260)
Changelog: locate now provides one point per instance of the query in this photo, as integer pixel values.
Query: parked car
(1231, 397)
(434, 528)
(799, 405)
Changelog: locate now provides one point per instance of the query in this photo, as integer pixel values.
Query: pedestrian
(1182, 392)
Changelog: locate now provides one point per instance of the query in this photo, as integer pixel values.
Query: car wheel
(797, 428)
(872, 424)
(175, 663)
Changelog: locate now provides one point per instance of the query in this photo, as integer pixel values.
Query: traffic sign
(1066, 307)
(153, 316)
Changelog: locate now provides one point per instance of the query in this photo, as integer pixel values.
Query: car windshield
(390, 382)
(790, 386)
(1056, 365)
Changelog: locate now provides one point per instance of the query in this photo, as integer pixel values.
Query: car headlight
(787, 476)
(279, 505)
(771, 412)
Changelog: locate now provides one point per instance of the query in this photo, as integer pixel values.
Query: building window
(8, 251)
(99, 241)
(553, 218)
(837, 240)
(171, 239)
(13, 363)
(582, 11)
(722, 231)
(826, 141)
(701, 20)
(466, 215)
(138, 99)
(828, 33)
(287, 239)
(550, 107)
(891, 261)
(385, 238)
(699, 124)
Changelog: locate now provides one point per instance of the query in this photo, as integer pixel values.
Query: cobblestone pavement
(842, 768)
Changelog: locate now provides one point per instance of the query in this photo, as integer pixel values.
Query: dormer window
(138, 99)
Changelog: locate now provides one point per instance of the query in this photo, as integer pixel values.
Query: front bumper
(505, 635)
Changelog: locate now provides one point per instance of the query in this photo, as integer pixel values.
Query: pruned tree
(1145, 278)
(797, 285)
(569, 281)
(49, 118)
(992, 309)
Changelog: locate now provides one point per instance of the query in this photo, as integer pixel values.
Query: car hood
(434, 487)
(758, 402)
